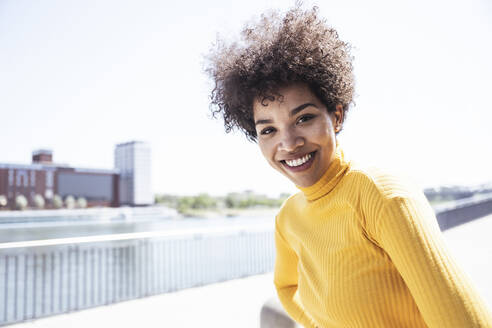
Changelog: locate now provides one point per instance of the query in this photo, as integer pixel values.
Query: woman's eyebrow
(263, 122)
(292, 113)
(300, 108)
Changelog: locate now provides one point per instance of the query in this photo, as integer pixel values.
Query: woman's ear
(338, 117)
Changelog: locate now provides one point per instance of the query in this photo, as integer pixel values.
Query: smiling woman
(296, 133)
(356, 247)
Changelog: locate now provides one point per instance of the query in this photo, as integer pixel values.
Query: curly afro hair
(273, 53)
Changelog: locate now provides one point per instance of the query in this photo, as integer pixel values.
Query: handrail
(48, 277)
(134, 235)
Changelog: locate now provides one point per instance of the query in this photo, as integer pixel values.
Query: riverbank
(230, 212)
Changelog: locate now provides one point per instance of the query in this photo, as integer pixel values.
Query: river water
(12, 231)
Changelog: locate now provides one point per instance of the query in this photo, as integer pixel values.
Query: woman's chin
(301, 181)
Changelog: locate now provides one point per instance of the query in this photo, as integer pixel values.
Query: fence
(43, 278)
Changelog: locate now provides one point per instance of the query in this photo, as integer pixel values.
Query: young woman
(355, 247)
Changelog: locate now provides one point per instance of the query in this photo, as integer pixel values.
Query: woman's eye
(267, 130)
(305, 118)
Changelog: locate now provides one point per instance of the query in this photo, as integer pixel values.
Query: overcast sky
(79, 77)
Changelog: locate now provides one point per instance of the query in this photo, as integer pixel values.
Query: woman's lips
(304, 166)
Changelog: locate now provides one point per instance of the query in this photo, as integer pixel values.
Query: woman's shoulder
(377, 189)
(292, 203)
(383, 183)
(291, 207)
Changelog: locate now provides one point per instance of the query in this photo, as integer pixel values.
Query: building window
(22, 174)
(33, 178)
(49, 179)
(11, 177)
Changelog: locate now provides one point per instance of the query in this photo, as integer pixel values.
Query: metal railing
(42, 278)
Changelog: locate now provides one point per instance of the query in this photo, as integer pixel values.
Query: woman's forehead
(285, 98)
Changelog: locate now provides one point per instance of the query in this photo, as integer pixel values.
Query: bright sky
(79, 77)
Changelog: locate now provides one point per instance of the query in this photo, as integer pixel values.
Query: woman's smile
(296, 133)
(300, 163)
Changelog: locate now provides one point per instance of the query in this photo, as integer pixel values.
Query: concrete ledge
(274, 316)
(464, 211)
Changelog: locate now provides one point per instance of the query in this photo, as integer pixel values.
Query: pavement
(237, 303)
(471, 245)
(234, 303)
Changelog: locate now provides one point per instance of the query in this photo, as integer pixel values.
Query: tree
(3, 201)
(203, 201)
(185, 204)
(57, 201)
(20, 202)
(69, 202)
(81, 202)
(232, 200)
(39, 201)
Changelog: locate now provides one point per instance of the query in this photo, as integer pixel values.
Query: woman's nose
(290, 142)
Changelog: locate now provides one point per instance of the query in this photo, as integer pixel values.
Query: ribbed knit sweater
(361, 248)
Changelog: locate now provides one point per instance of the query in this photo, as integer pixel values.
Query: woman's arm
(285, 279)
(406, 228)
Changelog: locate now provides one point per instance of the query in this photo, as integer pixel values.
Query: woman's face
(296, 134)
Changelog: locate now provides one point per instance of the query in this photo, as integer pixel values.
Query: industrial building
(129, 183)
(132, 159)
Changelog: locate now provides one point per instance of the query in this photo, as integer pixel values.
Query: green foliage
(232, 200)
(57, 201)
(203, 201)
(184, 203)
(39, 201)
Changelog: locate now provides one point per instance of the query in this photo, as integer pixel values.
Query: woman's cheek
(265, 148)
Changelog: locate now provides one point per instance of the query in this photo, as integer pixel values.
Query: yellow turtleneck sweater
(361, 248)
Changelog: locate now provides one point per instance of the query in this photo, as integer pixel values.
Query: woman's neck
(329, 179)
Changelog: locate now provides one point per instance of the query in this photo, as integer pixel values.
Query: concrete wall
(465, 212)
(90, 186)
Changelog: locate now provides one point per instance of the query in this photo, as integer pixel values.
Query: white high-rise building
(132, 159)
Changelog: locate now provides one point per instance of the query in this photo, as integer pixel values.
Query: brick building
(44, 177)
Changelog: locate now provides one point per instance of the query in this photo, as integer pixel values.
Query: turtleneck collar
(330, 178)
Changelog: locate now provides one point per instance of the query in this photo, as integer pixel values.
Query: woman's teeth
(299, 161)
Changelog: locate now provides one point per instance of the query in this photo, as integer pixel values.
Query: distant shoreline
(230, 212)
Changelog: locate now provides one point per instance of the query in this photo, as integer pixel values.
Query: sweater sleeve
(285, 279)
(406, 228)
